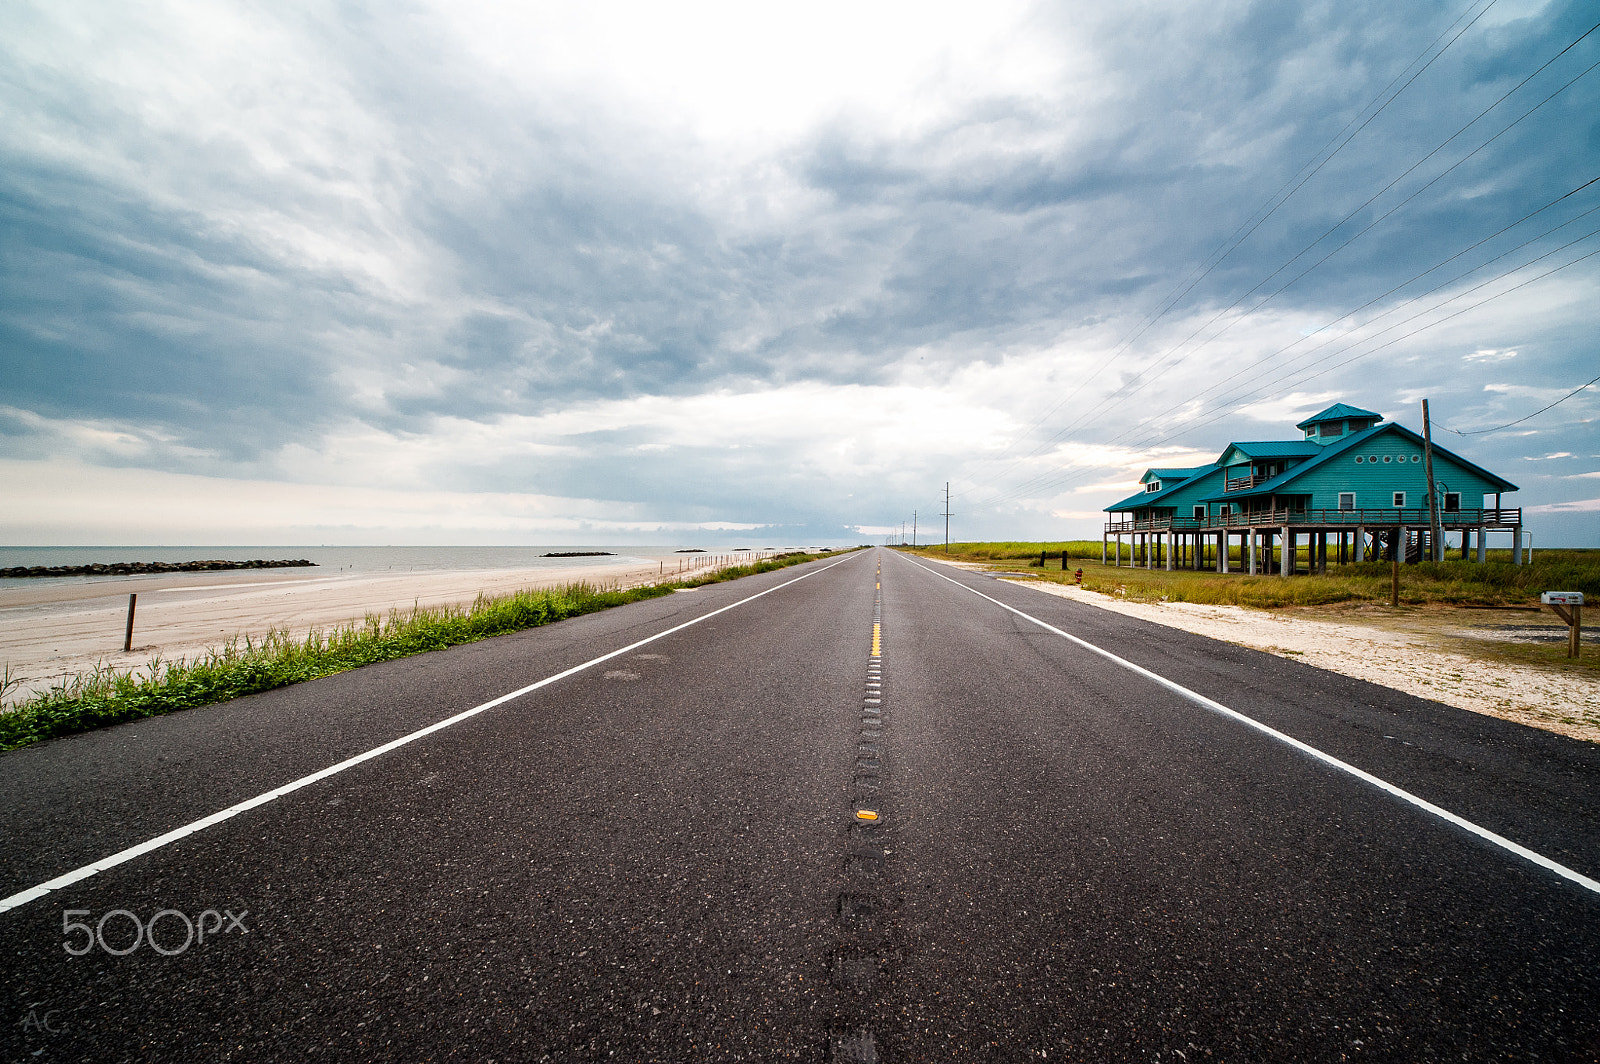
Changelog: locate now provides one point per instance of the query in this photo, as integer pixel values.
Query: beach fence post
(127, 638)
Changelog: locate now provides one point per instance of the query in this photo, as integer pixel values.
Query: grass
(1453, 581)
(103, 697)
(1440, 587)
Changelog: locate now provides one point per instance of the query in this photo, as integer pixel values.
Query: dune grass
(104, 696)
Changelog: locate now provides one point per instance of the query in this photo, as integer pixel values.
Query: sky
(478, 273)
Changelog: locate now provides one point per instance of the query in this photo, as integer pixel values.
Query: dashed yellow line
(877, 640)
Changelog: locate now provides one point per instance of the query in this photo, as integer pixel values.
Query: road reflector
(866, 814)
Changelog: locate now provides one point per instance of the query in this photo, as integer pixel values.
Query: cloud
(724, 264)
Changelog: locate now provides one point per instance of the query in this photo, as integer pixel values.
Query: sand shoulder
(1380, 652)
(51, 633)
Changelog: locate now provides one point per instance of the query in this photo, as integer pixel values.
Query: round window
(1388, 458)
(1416, 458)
(1358, 459)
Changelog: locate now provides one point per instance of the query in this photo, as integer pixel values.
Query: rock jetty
(577, 554)
(135, 568)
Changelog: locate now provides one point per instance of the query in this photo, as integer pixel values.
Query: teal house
(1352, 481)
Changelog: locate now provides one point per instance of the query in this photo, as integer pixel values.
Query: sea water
(342, 559)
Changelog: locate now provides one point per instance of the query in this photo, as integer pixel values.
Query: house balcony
(1505, 517)
(1244, 483)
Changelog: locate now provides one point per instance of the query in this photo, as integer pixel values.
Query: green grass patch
(104, 697)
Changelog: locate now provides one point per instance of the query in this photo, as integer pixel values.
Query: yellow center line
(877, 640)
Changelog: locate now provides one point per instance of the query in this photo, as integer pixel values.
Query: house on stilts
(1353, 484)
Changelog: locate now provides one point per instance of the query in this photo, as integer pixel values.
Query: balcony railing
(1243, 483)
(1504, 517)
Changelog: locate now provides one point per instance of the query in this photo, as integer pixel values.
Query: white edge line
(67, 879)
(1343, 766)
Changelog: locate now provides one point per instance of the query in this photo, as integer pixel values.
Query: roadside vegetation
(1459, 587)
(108, 696)
(1453, 581)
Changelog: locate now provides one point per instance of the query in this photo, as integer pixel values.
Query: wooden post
(1569, 607)
(1435, 540)
(1483, 547)
(1285, 552)
(1102, 548)
(1251, 547)
(1394, 566)
(1516, 544)
(127, 638)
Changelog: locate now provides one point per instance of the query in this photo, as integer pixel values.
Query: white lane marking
(1328, 759)
(33, 893)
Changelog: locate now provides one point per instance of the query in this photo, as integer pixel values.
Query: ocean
(336, 559)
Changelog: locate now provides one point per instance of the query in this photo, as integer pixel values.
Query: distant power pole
(913, 528)
(947, 517)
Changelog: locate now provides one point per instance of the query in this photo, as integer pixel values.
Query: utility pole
(1435, 527)
(947, 517)
(913, 529)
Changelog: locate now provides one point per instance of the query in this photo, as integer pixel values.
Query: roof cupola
(1337, 422)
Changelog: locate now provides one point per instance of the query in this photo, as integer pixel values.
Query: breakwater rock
(578, 554)
(135, 568)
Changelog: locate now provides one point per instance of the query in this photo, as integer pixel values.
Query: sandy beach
(54, 631)
(1416, 659)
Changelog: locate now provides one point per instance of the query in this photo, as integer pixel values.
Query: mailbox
(1562, 598)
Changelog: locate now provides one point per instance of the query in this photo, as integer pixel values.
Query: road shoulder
(1566, 705)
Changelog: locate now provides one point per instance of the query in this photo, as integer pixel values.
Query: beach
(52, 630)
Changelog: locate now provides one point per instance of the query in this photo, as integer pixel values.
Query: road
(743, 836)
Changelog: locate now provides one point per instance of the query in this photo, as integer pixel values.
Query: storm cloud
(790, 269)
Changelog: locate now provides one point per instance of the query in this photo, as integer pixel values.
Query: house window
(1199, 513)
(1388, 458)
(1452, 502)
(1416, 458)
(1347, 500)
(1359, 459)
(1400, 500)
(1154, 485)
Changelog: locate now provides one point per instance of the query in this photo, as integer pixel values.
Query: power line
(1042, 480)
(1273, 202)
(1520, 420)
(1055, 480)
(1172, 356)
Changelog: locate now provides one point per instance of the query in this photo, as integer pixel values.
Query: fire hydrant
(1079, 580)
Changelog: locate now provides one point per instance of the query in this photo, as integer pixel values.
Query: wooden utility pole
(947, 517)
(1435, 527)
(1398, 547)
(913, 528)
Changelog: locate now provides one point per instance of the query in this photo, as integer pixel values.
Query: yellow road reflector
(866, 814)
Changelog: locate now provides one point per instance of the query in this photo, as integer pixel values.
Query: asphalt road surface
(854, 818)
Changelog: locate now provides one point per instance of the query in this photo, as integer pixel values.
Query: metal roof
(1338, 412)
(1323, 454)
(1274, 449)
(1148, 498)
